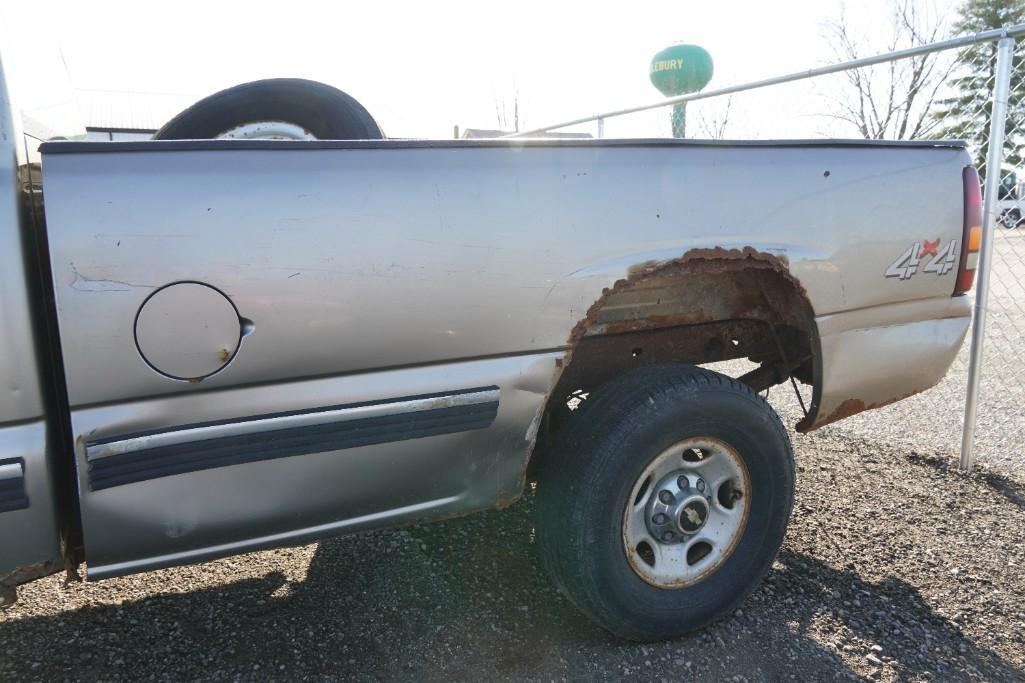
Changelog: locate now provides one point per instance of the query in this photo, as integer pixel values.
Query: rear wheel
(665, 500)
(276, 108)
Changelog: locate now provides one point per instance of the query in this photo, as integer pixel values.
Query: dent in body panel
(196, 448)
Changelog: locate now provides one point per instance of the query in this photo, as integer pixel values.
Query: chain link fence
(1001, 412)
(944, 90)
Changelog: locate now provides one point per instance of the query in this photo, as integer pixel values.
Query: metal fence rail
(982, 400)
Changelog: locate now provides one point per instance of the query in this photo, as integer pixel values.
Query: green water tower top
(681, 69)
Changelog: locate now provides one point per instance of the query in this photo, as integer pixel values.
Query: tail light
(971, 237)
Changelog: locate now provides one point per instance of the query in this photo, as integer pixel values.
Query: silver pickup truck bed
(376, 273)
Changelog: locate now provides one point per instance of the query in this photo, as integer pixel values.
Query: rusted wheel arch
(709, 305)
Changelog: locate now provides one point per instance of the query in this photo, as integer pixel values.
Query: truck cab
(30, 480)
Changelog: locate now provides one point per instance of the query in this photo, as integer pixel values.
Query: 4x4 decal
(941, 262)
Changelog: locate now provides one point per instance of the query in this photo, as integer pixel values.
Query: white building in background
(111, 115)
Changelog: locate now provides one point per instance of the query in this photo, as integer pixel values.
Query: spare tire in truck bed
(283, 108)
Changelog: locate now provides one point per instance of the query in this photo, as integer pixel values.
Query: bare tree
(892, 100)
(504, 116)
(713, 125)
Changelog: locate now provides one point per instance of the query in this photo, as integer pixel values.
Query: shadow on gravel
(1011, 490)
(466, 600)
(891, 614)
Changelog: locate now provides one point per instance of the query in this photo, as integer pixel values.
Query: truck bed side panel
(375, 275)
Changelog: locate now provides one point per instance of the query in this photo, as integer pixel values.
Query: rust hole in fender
(662, 294)
(9, 582)
(849, 407)
(706, 306)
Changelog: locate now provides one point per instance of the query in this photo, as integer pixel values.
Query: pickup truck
(218, 345)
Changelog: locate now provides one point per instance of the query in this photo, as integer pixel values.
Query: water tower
(678, 70)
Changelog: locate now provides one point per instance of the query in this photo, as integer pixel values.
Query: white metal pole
(601, 127)
(963, 41)
(998, 117)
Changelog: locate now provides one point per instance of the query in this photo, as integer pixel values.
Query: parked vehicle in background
(212, 346)
(1010, 209)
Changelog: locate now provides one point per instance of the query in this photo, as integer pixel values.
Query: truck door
(29, 543)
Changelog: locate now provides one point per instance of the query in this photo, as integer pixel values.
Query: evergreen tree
(966, 114)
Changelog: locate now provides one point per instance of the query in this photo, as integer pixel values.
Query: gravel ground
(895, 568)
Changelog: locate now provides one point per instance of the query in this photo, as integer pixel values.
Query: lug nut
(701, 485)
(667, 536)
(659, 518)
(682, 482)
(666, 497)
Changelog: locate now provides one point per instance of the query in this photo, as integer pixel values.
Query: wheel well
(707, 306)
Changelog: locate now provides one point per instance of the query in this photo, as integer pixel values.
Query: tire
(593, 470)
(326, 113)
(1010, 218)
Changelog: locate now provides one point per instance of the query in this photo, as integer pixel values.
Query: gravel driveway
(895, 567)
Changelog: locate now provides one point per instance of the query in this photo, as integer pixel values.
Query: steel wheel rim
(267, 130)
(676, 540)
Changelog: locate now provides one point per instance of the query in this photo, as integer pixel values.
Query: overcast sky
(421, 67)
